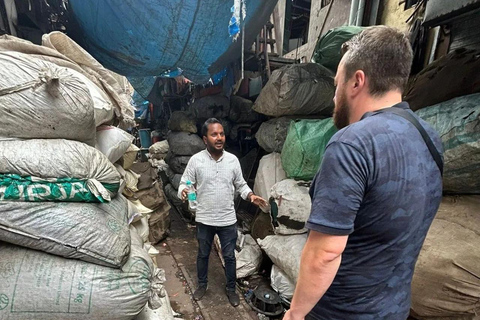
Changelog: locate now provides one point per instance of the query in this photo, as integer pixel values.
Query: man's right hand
(184, 194)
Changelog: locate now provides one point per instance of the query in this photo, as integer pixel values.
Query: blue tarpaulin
(149, 37)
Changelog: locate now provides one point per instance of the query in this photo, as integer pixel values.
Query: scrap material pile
(68, 249)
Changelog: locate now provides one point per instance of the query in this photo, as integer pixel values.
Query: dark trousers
(228, 240)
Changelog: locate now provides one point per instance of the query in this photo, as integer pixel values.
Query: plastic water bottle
(192, 196)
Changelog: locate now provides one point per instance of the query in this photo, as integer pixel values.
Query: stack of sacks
(59, 208)
(290, 209)
(183, 143)
(446, 282)
(149, 193)
(294, 91)
(241, 116)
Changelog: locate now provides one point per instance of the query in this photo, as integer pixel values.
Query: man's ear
(359, 82)
(204, 139)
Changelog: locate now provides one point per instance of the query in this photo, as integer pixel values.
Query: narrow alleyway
(178, 258)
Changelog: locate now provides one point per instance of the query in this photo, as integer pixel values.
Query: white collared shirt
(216, 182)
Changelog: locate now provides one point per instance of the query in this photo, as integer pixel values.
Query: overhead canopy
(439, 11)
(146, 38)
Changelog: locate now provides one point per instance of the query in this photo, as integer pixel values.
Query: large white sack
(103, 78)
(270, 171)
(102, 106)
(277, 247)
(41, 286)
(64, 52)
(249, 258)
(294, 204)
(446, 282)
(165, 312)
(55, 169)
(97, 233)
(113, 142)
(281, 283)
(41, 100)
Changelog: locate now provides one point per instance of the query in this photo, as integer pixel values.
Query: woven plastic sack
(292, 206)
(304, 147)
(281, 283)
(297, 89)
(96, 233)
(458, 123)
(55, 170)
(113, 142)
(272, 134)
(46, 287)
(446, 281)
(41, 100)
(270, 171)
(328, 48)
(285, 252)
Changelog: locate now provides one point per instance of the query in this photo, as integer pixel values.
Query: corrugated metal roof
(438, 11)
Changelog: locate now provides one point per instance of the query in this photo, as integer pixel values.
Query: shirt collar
(219, 159)
(402, 105)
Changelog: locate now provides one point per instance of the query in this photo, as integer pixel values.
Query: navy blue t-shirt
(379, 184)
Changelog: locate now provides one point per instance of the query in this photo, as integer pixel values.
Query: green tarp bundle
(304, 147)
(458, 123)
(328, 49)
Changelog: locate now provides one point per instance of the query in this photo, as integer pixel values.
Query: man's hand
(258, 201)
(289, 316)
(184, 194)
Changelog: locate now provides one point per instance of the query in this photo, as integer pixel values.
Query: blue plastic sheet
(146, 38)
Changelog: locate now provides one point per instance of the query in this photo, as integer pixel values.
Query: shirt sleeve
(240, 183)
(188, 174)
(338, 189)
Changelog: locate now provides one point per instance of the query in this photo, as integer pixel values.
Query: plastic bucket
(145, 139)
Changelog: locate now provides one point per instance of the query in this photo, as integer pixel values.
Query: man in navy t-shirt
(375, 195)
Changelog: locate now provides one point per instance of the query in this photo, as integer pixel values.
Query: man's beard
(341, 113)
(213, 150)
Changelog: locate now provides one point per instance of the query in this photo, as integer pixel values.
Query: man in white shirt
(217, 175)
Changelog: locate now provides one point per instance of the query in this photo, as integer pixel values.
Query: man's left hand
(258, 201)
(289, 316)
